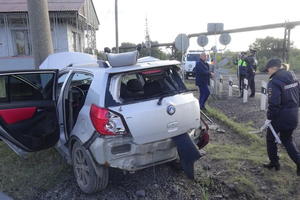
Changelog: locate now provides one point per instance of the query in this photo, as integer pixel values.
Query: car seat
(134, 85)
(152, 88)
(134, 88)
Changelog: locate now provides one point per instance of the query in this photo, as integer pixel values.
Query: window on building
(79, 43)
(76, 41)
(21, 43)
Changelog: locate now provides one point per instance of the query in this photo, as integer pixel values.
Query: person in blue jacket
(203, 75)
(283, 100)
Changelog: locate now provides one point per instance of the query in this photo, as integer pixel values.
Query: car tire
(85, 173)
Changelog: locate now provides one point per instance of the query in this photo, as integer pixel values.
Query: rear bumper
(123, 153)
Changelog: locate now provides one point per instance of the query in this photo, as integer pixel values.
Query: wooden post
(117, 26)
(263, 96)
(230, 84)
(245, 91)
(215, 85)
(221, 84)
(212, 85)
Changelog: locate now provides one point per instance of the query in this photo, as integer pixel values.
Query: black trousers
(241, 83)
(251, 83)
(287, 141)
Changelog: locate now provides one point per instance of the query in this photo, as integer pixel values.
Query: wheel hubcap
(81, 168)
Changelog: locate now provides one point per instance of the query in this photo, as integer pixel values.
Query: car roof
(137, 66)
(63, 59)
(67, 61)
(142, 65)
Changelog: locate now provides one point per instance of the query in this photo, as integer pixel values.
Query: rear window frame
(110, 102)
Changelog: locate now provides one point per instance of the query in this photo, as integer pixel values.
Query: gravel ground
(160, 182)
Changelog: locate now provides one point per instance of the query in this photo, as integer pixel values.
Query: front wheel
(85, 173)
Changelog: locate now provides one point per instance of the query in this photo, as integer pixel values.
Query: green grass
(190, 85)
(235, 161)
(23, 178)
(239, 128)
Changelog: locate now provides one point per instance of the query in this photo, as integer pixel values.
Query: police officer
(251, 70)
(203, 75)
(283, 99)
(242, 71)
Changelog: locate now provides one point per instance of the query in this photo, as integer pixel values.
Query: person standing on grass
(203, 75)
(242, 72)
(283, 99)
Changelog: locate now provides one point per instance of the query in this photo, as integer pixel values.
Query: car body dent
(139, 156)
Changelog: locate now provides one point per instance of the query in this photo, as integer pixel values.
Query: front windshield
(193, 57)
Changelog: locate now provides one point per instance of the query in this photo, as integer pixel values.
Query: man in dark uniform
(283, 99)
(251, 70)
(202, 75)
(242, 72)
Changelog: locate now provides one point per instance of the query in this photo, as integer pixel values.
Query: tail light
(106, 122)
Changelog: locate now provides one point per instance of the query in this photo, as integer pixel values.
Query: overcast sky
(168, 18)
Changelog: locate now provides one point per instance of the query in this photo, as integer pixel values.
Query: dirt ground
(249, 112)
(231, 168)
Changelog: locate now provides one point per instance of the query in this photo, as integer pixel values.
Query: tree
(154, 52)
(271, 47)
(295, 59)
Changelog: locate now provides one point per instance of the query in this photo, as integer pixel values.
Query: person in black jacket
(202, 75)
(251, 70)
(283, 99)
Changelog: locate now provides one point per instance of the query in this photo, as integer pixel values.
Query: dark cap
(274, 62)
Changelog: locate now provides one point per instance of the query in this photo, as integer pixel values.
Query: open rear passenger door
(28, 114)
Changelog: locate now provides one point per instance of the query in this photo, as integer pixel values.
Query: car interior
(74, 101)
(151, 83)
(28, 111)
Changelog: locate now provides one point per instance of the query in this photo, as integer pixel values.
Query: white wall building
(73, 28)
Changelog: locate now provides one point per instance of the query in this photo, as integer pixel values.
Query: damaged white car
(122, 113)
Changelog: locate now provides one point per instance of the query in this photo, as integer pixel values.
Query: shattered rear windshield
(143, 85)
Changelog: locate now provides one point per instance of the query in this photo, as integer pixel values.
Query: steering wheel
(79, 90)
(80, 94)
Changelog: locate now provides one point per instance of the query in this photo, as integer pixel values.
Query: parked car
(120, 114)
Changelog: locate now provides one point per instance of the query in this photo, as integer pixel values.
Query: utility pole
(117, 28)
(147, 38)
(40, 30)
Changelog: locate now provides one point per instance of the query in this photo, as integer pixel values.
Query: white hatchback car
(120, 114)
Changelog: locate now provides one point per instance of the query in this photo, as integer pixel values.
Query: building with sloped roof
(73, 28)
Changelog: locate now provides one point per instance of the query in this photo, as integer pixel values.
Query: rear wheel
(85, 173)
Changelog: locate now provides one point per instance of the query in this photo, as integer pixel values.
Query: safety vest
(242, 63)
